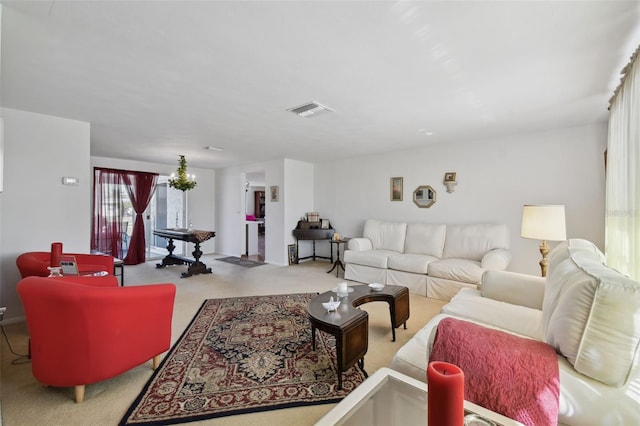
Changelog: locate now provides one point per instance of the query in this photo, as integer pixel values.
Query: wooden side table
(349, 326)
(338, 263)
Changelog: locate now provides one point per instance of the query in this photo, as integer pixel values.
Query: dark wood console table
(312, 231)
(195, 266)
(350, 326)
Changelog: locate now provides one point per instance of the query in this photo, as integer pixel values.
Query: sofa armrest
(360, 244)
(497, 259)
(514, 288)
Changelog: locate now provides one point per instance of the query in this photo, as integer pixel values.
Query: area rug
(243, 355)
(247, 263)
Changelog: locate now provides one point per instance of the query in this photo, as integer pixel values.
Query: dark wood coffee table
(350, 326)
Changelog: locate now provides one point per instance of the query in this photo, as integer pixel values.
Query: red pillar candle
(56, 253)
(445, 394)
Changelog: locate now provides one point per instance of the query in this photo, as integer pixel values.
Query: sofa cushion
(375, 258)
(425, 238)
(473, 241)
(416, 263)
(468, 271)
(591, 313)
(386, 235)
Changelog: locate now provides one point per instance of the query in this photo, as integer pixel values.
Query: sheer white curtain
(622, 216)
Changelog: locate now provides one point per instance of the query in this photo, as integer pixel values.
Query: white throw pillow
(591, 313)
(386, 235)
(425, 238)
(474, 241)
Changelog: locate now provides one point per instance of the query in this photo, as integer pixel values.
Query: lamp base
(544, 251)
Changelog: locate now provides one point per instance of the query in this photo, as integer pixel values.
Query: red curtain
(108, 211)
(140, 187)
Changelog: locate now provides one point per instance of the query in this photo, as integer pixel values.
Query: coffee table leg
(392, 313)
(339, 356)
(313, 338)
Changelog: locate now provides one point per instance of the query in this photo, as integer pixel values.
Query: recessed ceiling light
(213, 148)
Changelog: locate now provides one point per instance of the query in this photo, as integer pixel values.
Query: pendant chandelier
(181, 180)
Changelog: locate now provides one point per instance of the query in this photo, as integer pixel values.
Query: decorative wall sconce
(450, 181)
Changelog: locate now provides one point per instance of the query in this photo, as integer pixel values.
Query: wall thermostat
(68, 180)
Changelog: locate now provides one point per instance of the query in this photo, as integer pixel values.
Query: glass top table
(390, 398)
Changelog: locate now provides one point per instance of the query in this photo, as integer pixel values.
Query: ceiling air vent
(310, 109)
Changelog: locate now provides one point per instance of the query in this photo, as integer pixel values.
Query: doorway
(255, 216)
(167, 209)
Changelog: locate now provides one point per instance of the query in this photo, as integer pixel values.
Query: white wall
(298, 201)
(495, 178)
(230, 218)
(295, 184)
(36, 209)
(201, 200)
(275, 229)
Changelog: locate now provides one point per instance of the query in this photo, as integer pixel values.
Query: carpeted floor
(25, 402)
(243, 355)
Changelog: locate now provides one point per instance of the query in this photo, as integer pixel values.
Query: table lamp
(544, 222)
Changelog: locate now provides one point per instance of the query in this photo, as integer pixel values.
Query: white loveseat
(432, 260)
(587, 311)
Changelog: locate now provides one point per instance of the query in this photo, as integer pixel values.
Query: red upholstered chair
(82, 334)
(35, 263)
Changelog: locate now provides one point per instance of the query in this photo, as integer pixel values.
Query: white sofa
(587, 311)
(432, 260)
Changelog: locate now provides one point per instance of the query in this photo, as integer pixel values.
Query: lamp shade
(544, 222)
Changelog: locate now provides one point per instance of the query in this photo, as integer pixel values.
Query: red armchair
(35, 263)
(82, 334)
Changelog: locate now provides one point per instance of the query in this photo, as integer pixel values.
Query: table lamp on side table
(544, 222)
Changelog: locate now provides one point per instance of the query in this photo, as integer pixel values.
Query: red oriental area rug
(243, 355)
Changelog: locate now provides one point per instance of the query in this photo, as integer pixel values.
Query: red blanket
(510, 375)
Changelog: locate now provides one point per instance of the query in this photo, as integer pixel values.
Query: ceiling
(159, 79)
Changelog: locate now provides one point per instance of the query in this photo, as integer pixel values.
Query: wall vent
(310, 109)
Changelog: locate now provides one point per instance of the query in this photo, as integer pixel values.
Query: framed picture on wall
(274, 193)
(396, 189)
(292, 254)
